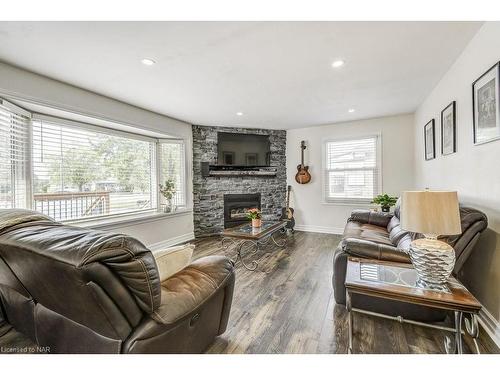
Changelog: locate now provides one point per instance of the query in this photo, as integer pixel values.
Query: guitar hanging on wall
(303, 176)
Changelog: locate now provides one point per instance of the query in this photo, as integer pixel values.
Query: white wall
(473, 170)
(397, 167)
(27, 86)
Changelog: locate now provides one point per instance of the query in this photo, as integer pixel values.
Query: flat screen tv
(243, 150)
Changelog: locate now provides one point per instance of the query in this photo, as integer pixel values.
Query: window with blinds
(173, 171)
(14, 156)
(81, 171)
(352, 170)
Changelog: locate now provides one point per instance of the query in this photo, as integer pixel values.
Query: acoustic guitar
(303, 176)
(287, 212)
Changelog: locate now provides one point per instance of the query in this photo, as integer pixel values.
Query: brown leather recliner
(77, 290)
(378, 235)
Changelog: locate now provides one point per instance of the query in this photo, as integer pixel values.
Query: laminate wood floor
(287, 306)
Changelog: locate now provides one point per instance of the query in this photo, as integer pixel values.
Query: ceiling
(278, 74)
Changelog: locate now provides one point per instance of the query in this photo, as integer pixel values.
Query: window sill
(126, 220)
(354, 203)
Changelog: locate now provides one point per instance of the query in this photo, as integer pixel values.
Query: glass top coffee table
(397, 281)
(247, 237)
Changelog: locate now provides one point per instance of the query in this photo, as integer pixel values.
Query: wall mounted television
(243, 150)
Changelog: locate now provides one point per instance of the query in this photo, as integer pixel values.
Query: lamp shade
(430, 212)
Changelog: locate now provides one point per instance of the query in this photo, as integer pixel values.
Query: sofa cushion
(368, 232)
(397, 234)
(397, 208)
(186, 290)
(393, 223)
(173, 259)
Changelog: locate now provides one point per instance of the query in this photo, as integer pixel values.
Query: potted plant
(255, 215)
(168, 191)
(385, 201)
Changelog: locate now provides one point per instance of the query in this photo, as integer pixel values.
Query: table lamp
(431, 213)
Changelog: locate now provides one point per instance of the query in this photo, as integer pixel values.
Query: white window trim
(113, 219)
(350, 201)
(93, 128)
(186, 171)
(126, 219)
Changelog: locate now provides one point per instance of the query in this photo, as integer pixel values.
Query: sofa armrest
(191, 287)
(372, 250)
(380, 219)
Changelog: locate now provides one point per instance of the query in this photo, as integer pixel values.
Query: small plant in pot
(385, 201)
(256, 216)
(168, 191)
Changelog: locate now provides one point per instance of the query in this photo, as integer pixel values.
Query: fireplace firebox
(236, 207)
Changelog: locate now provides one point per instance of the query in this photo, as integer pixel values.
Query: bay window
(71, 170)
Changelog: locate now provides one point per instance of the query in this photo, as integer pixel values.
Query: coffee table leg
(458, 331)
(254, 264)
(281, 243)
(349, 321)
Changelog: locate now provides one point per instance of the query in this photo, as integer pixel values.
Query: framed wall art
(430, 140)
(486, 111)
(448, 129)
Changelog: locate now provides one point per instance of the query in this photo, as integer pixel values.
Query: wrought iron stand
(254, 245)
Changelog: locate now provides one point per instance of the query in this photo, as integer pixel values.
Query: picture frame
(449, 129)
(485, 106)
(228, 157)
(251, 159)
(430, 140)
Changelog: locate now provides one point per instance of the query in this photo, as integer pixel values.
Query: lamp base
(426, 285)
(433, 261)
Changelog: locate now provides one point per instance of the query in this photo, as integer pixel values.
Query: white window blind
(173, 168)
(14, 156)
(352, 170)
(80, 171)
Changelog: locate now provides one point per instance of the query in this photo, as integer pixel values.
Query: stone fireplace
(209, 192)
(236, 207)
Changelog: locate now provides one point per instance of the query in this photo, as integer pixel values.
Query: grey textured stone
(208, 192)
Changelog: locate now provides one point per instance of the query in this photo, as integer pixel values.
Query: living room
(249, 187)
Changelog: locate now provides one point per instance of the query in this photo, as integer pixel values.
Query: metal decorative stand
(252, 245)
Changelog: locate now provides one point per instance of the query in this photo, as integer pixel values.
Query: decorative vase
(386, 208)
(167, 208)
(433, 261)
(256, 223)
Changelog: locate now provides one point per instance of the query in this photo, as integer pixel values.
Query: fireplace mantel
(239, 173)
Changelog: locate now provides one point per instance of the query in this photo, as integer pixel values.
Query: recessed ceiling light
(351, 110)
(148, 62)
(338, 63)
(239, 113)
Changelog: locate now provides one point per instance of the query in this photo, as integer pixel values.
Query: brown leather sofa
(378, 235)
(77, 290)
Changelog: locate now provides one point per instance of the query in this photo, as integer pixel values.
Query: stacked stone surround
(208, 192)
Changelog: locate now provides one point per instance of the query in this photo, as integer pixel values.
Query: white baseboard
(318, 229)
(172, 241)
(490, 325)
